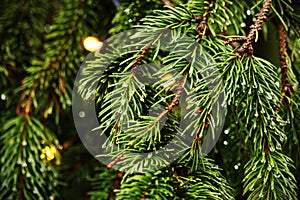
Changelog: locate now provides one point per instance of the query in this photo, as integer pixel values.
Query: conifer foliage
(222, 62)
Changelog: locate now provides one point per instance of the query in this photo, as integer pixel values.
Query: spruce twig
(168, 109)
(110, 165)
(137, 63)
(202, 26)
(246, 46)
(286, 86)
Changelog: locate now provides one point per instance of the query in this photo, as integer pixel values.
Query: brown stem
(21, 185)
(56, 101)
(138, 61)
(25, 104)
(261, 17)
(117, 184)
(70, 142)
(206, 126)
(266, 146)
(202, 26)
(286, 87)
(167, 3)
(110, 165)
(175, 100)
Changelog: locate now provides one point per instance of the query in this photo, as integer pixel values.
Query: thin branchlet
(25, 104)
(139, 60)
(136, 65)
(202, 27)
(206, 126)
(246, 46)
(168, 109)
(286, 86)
(175, 101)
(110, 165)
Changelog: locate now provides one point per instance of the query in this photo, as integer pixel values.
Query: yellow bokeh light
(92, 43)
(49, 153)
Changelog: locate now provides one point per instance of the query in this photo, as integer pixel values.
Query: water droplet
(256, 114)
(3, 97)
(47, 28)
(277, 84)
(127, 10)
(277, 175)
(35, 191)
(272, 148)
(226, 131)
(215, 167)
(260, 195)
(24, 143)
(272, 165)
(269, 168)
(130, 20)
(259, 175)
(24, 164)
(243, 83)
(123, 101)
(281, 139)
(225, 143)
(254, 86)
(248, 12)
(236, 167)
(269, 96)
(278, 147)
(251, 189)
(243, 25)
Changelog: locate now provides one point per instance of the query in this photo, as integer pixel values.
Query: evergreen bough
(257, 155)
